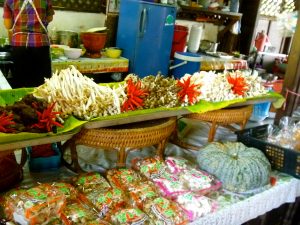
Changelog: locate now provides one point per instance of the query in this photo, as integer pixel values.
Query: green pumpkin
(239, 167)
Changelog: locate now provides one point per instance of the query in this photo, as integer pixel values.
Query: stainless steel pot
(67, 37)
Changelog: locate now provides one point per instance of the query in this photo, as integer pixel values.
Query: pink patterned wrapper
(199, 181)
(196, 206)
(177, 164)
(170, 186)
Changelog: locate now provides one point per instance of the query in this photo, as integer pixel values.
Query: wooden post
(248, 24)
(292, 76)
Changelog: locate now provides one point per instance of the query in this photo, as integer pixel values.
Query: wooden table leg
(212, 132)
(74, 165)
(121, 157)
(161, 149)
(174, 139)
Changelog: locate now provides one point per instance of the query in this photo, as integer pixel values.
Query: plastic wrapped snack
(199, 181)
(37, 205)
(196, 206)
(78, 213)
(98, 222)
(107, 201)
(170, 185)
(177, 164)
(150, 167)
(145, 191)
(91, 181)
(56, 221)
(68, 190)
(164, 211)
(130, 216)
(123, 178)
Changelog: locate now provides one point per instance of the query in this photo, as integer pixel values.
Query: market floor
(91, 159)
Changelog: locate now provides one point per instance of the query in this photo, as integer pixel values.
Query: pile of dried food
(28, 115)
(81, 97)
(69, 93)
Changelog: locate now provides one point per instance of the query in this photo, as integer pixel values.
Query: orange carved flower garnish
(47, 119)
(238, 84)
(135, 96)
(188, 90)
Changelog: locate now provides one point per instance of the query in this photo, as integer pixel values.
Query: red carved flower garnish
(135, 96)
(238, 84)
(47, 119)
(5, 123)
(188, 90)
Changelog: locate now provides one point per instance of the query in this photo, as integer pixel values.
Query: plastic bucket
(185, 62)
(179, 39)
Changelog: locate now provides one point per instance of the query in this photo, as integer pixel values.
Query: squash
(238, 167)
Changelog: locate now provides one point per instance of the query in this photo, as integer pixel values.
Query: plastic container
(44, 163)
(260, 111)
(282, 159)
(185, 62)
(179, 39)
(234, 6)
(195, 38)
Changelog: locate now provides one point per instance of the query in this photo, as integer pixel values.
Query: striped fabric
(28, 29)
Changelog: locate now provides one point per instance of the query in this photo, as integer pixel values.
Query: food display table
(9, 142)
(93, 65)
(214, 63)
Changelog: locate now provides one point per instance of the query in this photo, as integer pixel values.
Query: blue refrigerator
(145, 33)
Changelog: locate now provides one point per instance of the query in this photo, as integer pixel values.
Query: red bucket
(179, 39)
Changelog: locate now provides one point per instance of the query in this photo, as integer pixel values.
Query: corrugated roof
(273, 8)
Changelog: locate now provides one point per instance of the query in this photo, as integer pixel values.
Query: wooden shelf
(219, 18)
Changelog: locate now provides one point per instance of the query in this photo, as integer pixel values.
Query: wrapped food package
(164, 211)
(196, 206)
(78, 213)
(150, 167)
(199, 181)
(177, 164)
(170, 185)
(67, 189)
(130, 216)
(106, 201)
(37, 205)
(125, 179)
(143, 192)
(90, 182)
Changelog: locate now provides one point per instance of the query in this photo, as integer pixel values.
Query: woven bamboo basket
(224, 117)
(124, 138)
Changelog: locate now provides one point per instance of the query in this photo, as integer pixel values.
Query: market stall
(125, 103)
